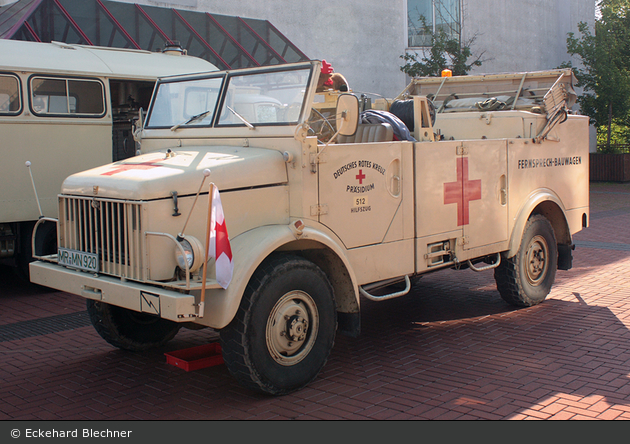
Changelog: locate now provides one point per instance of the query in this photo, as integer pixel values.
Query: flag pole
(205, 267)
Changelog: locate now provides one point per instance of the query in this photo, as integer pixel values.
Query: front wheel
(285, 328)
(128, 329)
(526, 279)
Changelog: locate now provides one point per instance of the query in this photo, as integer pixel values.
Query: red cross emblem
(223, 242)
(360, 177)
(131, 166)
(462, 192)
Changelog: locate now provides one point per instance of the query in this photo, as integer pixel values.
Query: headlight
(193, 254)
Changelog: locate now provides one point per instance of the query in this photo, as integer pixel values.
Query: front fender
(534, 200)
(249, 249)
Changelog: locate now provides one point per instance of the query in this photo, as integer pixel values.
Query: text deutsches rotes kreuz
(359, 176)
(362, 182)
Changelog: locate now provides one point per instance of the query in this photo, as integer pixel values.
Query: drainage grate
(44, 326)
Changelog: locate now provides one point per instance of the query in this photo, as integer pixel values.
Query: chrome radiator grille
(112, 229)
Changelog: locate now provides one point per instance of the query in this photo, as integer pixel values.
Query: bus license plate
(77, 259)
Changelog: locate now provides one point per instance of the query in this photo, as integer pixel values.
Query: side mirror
(347, 114)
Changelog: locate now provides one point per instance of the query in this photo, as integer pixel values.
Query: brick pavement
(450, 350)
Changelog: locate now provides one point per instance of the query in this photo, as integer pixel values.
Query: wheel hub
(292, 328)
(297, 327)
(536, 260)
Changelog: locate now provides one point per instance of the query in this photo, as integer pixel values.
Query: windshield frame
(218, 119)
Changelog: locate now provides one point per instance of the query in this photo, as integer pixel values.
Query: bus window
(10, 98)
(67, 96)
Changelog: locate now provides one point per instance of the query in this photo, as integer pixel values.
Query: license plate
(77, 259)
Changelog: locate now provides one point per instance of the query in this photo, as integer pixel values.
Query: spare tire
(403, 109)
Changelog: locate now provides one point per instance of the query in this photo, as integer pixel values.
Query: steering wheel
(326, 129)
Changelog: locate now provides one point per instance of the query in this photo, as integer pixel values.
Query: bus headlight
(193, 254)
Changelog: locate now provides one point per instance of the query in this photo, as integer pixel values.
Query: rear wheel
(285, 328)
(128, 329)
(526, 279)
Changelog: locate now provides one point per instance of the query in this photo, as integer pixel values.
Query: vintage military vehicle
(327, 199)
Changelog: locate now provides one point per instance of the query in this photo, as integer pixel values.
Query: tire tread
(508, 275)
(105, 320)
(234, 337)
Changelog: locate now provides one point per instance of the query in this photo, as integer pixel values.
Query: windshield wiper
(241, 118)
(196, 118)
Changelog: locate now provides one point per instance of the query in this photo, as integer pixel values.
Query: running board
(388, 296)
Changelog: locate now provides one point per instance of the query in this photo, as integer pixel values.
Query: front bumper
(168, 304)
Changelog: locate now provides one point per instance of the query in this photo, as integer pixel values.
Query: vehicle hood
(156, 175)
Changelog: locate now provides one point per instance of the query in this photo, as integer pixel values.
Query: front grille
(112, 229)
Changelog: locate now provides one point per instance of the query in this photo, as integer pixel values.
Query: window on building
(438, 15)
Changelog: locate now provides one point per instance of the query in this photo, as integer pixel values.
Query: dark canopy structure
(225, 41)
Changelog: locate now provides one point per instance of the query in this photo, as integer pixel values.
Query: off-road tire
(526, 279)
(128, 329)
(264, 355)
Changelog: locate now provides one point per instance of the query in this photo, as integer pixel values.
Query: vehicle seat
(370, 133)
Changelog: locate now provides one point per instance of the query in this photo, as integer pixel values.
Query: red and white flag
(219, 244)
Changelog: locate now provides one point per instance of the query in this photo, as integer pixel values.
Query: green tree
(605, 66)
(444, 52)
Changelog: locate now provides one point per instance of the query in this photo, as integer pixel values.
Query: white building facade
(364, 39)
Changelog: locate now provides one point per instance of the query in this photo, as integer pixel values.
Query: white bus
(63, 109)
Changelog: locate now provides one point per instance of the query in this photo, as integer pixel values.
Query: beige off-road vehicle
(327, 201)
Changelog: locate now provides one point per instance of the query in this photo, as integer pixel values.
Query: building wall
(523, 35)
(364, 39)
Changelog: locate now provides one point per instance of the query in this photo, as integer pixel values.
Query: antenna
(206, 173)
(28, 165)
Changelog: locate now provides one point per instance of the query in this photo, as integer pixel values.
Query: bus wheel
(128, 329)
(285, 328)
(526, 279)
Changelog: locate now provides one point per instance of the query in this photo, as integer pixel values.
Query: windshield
(180, 103)
(273, 97)
(265, 98)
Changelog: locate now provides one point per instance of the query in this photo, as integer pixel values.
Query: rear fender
(547, 203)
